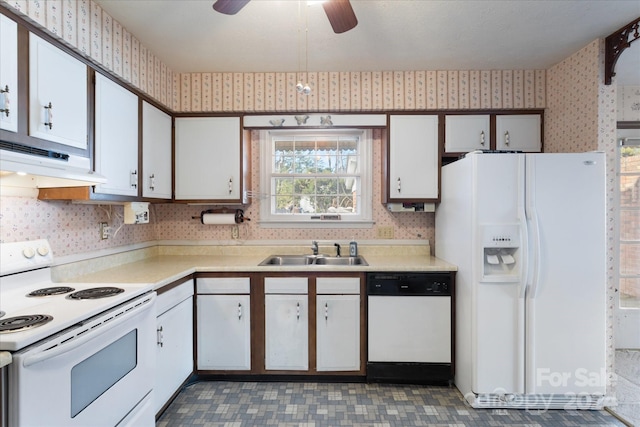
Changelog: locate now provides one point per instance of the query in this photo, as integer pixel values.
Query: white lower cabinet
(224, 323)
(338, 324)
(286, 323)
(174, 351)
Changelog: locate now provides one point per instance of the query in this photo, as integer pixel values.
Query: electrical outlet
(104, 231)
(235, 232)
(385, 232)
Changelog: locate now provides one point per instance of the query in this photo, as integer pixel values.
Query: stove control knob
(28, 252)
(43, 251)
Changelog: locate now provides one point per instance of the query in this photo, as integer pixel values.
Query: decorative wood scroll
(615, 44)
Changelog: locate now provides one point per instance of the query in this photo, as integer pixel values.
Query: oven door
(93, 375)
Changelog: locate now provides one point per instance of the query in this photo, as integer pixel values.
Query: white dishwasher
(409, 327)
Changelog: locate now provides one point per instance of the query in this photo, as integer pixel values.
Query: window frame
(362, 220)
(620, 241)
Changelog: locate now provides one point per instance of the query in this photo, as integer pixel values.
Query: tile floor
(244, 404)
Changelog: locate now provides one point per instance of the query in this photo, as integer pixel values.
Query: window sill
(316, 224)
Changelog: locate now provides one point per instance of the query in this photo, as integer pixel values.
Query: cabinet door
(156, 152)
(413, 158)
(8, 74)
(57, 95)
(116, 124)
(208, 163)
(286, 332)
(466, 133)
(338, 332)
(519, 132)
(174, 356)
(224, 332)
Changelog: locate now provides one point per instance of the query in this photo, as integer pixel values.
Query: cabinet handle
(298, 311)
(48, 116)
(399, 185)
(239, 311)
(326, 311)
(482, 138)
(134, 179)
(4, 100)
(230, 185)
(159, 336)
(507, 139)
(152, 182)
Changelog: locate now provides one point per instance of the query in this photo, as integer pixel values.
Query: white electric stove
(32, 307)
(91, 347)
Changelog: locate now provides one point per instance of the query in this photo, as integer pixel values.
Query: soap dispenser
(353, 248)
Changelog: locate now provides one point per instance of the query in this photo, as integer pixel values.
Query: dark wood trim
(175, 284)
(615, 44)
(258, 333)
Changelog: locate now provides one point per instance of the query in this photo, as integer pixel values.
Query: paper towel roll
(218, 219)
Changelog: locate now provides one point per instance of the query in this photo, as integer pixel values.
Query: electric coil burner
(95, 293)
(56, 290)
(20, 323)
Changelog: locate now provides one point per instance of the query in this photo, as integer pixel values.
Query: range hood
(22, 166)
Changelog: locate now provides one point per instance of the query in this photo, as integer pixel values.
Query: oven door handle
(83, 334)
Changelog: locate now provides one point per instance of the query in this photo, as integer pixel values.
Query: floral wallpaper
(580, 115)
(628, 103)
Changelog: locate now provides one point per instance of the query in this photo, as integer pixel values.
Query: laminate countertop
(163, 269)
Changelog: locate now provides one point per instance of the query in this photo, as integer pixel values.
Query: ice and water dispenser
(501, 253)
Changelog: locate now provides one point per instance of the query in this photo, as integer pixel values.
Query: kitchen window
(316, 178)
(629, 240)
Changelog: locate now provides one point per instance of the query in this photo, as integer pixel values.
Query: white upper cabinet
(464, 133)
(156, 152)
(413, 158)
(208, 161)
(521, 132)
(57, 95)
(8, 74)
(116, 155)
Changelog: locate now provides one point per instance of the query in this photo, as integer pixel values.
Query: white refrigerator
(528, 234)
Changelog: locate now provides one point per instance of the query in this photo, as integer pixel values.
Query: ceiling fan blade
(340, 14)
(229, 7)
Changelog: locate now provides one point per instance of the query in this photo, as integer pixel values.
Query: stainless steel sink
(284, 260)
(352, 260)
(288, 260)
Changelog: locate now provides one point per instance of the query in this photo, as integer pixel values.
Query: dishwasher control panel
(409, 284)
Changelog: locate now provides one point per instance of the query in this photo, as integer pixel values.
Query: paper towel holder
(239, 214)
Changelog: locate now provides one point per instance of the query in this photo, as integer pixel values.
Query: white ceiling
(269, 35)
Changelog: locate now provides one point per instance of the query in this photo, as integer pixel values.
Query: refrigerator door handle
(533, 226)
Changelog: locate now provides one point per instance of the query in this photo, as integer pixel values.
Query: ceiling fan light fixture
(341, 15)
(229, 7)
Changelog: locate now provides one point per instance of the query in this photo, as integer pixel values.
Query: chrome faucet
(337, 249)
(314, 247)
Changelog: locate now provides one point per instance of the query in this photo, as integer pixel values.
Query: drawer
(175, 296)
(286, 285)
(337, 285)
(223, 285)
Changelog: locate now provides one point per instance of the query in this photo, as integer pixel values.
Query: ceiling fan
(340, 13)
